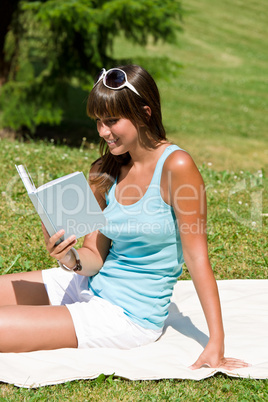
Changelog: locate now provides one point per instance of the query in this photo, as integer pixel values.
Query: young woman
(118, 291)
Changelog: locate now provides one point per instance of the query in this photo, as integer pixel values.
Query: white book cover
(65, 203)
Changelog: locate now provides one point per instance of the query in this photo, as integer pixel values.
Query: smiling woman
(153, 197)
(119, 134)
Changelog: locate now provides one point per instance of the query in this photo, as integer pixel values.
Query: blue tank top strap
(160, 163)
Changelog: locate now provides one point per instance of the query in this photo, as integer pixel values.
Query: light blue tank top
(145, 258)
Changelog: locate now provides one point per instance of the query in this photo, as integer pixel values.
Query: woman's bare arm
(187, 196)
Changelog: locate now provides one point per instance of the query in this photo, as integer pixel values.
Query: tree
(52, 44)
(8, 8)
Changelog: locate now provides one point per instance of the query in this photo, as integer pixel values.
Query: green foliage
(57, 44)
(29, 105)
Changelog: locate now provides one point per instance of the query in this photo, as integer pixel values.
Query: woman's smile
(112, 142)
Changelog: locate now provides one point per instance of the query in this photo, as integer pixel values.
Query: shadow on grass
(76, 127)
(69, 133)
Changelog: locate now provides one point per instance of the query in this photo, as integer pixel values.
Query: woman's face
(119, 133)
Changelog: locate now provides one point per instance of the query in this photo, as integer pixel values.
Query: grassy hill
(215, 107)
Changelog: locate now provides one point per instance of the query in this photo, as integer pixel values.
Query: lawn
(214, 107)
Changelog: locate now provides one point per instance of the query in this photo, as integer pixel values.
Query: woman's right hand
(59, 251)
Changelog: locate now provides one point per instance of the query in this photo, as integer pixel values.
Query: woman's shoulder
(181, 168)
(179, 160)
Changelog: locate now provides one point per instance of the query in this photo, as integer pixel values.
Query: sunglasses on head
(115, 78)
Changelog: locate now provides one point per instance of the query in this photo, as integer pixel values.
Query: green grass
(215, 108)
(218, 388)
(237, 248)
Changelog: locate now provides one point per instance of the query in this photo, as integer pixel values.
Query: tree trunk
(7, 8)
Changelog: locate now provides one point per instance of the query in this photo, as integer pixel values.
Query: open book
(65, 203)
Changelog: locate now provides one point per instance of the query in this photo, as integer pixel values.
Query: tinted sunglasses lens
(115, 78)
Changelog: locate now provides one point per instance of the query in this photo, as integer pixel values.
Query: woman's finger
(230, 363)
(60, 256)
(51, 242)
(62, 248)
(199, 363)
(227, 363)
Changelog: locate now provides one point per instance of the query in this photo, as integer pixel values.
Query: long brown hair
(124, 103)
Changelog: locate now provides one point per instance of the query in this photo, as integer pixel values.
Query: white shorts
(97, 322)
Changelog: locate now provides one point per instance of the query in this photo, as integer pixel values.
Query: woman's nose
(103, 129)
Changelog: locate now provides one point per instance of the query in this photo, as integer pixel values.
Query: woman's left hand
(212, 358)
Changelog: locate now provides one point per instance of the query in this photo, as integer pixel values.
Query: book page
(56, 181)
(71, 205)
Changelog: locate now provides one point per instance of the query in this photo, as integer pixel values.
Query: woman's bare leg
(27, 321)
(26, 288)
(29, 328)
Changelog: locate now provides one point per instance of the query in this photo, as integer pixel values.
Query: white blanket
(245, 314)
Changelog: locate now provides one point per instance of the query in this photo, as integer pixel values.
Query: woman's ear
(148, 111)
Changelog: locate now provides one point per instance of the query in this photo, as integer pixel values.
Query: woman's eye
(107, 122)
(112, 121)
